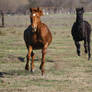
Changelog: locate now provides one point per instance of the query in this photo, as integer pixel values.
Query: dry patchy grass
(65, 71)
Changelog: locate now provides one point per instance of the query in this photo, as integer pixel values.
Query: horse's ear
(31, 10)
(40, 11)
(82, 9)
(76, 9)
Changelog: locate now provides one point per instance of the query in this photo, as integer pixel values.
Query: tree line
(17, 6)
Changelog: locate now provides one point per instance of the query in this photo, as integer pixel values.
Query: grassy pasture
(64, 70)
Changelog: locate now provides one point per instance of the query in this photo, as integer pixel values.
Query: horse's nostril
(35, 29)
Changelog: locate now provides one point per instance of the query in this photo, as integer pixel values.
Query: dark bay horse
(81, 31)
(36, 36)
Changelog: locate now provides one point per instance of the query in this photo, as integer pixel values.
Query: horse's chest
(76, 33)
(35, 41)
(34, 38)
(79, 31)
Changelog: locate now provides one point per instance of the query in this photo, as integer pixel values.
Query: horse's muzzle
(34, 29)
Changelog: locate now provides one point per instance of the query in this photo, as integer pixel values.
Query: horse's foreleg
(85, 46)
(78, 47)
(32, 63)
(43, 58)
(28, 57)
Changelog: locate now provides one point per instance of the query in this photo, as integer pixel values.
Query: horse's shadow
(2, 74)
(20, 72)
(14, 73)
(22, 59)
(1, 26)
(50, 61)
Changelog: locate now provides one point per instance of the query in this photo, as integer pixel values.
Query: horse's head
(79, 12)
(35, 17)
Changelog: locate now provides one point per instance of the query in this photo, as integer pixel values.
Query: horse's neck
(79, 21)
(80, 24)
(39, 24)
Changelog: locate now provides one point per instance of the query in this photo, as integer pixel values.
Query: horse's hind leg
(28, 57)
(85, 46)
(89, 54)
(78, 47)
(32, 63)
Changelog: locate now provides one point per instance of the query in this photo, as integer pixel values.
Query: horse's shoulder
(74, 26)
(28, 29)
(87, 25)
(42, 26)
(28, 32)
(86, 22)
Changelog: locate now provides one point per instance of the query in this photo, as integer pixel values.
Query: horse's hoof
(88, 58)
(86, 51)
(40, 67)
(27, 67)
(42, 72)
(78, 54)
(32, 70)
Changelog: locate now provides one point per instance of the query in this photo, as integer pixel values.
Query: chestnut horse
(81, 31)
(36, 36)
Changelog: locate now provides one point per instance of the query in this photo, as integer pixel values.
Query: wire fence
(21, 20)
(15, 20)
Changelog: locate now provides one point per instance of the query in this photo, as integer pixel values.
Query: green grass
(64, 70)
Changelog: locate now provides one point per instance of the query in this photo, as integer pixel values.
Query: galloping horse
(81, 30)
(36, 36)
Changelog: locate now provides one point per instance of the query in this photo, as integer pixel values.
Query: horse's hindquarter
(88, 27)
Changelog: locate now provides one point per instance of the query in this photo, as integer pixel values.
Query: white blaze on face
(34, 14)
(34, 28)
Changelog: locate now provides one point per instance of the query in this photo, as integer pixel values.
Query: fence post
(2, 14)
